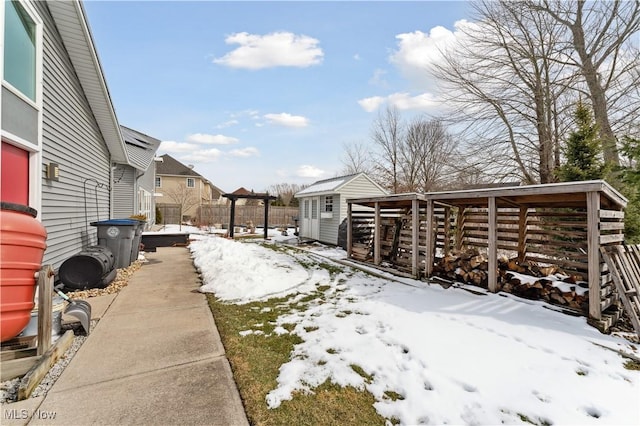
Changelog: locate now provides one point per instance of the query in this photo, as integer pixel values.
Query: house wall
(124, 192)
(201, 193)
(72, 139)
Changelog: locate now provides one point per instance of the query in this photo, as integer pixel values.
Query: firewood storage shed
(563, 224)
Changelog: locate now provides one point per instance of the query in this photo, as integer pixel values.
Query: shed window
(191, 183)
(306, 209)
(20, 49)
(328, 203)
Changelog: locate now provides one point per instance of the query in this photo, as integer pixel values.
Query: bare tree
(184, 197)
(600, 39)
(387, 134)
(426, 153)
(357, 158)
(285, 191)
(503, 83)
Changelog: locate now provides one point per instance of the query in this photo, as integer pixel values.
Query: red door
(14, 175)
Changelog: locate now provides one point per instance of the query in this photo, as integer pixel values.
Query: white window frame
(34, 149)
(193, 183)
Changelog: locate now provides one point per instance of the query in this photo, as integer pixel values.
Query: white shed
(323, 205)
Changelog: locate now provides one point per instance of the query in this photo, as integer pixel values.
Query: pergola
(533, 221)
(266, 198)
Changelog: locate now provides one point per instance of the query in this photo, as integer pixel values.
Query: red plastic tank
(22, 245)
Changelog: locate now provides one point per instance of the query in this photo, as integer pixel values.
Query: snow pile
(247, 272)
(430, 355)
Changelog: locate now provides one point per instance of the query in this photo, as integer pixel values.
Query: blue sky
(258, 93)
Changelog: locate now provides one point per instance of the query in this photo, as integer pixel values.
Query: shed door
(310, 226)
(314, 222)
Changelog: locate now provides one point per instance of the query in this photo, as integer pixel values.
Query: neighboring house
(60, 134)
(244, 201)
(323, 204)
(134, 182)
(177, 184)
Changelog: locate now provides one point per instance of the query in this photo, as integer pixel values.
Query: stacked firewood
(525, 279)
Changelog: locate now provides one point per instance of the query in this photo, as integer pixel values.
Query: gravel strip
(9, 388)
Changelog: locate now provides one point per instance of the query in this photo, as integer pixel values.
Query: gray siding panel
(72, 139)
(124, 197)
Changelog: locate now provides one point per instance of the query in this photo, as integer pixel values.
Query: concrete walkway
(155, 357)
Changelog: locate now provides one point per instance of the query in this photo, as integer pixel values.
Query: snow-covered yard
(428, 355)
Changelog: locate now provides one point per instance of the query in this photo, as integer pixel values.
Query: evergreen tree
(631, 189)
(583, 151)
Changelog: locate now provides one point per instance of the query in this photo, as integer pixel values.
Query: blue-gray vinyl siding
(72, 139)
(124, 192)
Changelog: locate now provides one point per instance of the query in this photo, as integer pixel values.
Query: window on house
(191, 183)
(158, 182)
(328, 203)
(20, 49)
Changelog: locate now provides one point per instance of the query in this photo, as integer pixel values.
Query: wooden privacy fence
(560, 224)
(219, 215)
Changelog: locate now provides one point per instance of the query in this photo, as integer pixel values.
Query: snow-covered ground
(431, 355)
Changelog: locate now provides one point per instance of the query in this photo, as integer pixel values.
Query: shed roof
(141, 148)
(72, 25)
(565, 194)
(334, 184)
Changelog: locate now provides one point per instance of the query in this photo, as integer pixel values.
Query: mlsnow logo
(15, 414)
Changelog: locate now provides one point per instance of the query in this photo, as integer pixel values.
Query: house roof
(171, 166)
(333, 184)
(74, 29)
(141, 148)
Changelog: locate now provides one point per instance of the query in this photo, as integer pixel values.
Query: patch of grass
(310, 329)
(526, 419)
(256, 360)
(632, 365)
(333, 269)
(367, 377)
(394, 396)
(332, 351)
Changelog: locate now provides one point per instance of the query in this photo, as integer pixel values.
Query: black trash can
(117, 235)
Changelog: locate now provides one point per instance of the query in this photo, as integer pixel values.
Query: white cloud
(227, 124)
(173, 146)
(279, 49)
(202, 156)
(245, 152)
(378, 78)
(203, 138)
(356, 57)
(287, 120)
(309, 171)
(371, 104)
(417, 51)
(401, 101)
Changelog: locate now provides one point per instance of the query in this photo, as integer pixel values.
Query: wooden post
(593, 253)
(45, 279)
(266, 217)
(460, 228)
(522, 233)
(232, 217)
(349, 229)
(415, 236)
(430, 240)
(376, 235)
(447, 230)
(492, 248)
